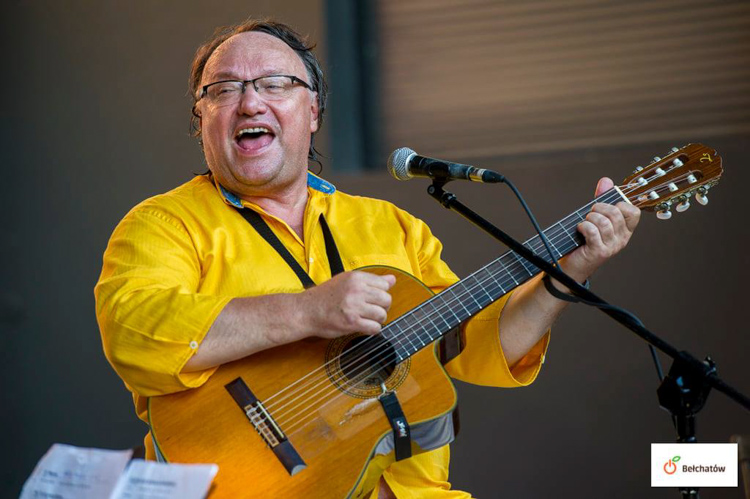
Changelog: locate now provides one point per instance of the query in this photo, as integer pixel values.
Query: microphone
(405, 164)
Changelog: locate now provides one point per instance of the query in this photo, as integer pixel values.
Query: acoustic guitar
(306, 418)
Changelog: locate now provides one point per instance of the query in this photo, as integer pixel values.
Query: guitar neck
(437, 316)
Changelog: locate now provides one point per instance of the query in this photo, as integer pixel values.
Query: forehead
(250, 55)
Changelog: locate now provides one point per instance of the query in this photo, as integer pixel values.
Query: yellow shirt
(177, 259)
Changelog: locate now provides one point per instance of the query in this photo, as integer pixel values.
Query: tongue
(254, 142)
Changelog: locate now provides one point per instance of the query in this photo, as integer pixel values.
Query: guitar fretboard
(432, 319)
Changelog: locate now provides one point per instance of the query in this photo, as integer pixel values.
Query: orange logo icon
(670, 467)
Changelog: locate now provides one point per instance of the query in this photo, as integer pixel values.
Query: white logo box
(694, 465)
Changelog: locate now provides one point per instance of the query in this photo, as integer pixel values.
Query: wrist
(559, 291)
(575, 272)
(296, 316)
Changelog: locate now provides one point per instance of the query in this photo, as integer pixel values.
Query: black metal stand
(683, 394)
(683, 391)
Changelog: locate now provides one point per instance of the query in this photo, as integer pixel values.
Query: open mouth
(252, 139)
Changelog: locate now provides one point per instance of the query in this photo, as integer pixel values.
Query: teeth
(257, 129)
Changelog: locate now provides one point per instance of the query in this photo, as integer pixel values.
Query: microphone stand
(683, 391)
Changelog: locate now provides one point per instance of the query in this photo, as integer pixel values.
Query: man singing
(188, 284)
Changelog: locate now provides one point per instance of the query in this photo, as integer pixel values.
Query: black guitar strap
(399, 424)
(334, 259)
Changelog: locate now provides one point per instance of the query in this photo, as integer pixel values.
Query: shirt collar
(313, 181)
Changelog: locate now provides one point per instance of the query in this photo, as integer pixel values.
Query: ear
(197, 115)
(314, 113)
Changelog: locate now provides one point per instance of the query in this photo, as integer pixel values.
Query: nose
(251, 103)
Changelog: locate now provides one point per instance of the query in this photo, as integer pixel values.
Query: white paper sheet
(67, 472)
(151, 480)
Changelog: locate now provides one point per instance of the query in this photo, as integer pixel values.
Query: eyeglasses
(273, 88)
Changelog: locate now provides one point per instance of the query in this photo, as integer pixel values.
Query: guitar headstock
(670, 181)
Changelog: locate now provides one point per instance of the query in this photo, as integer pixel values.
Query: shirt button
(312, 259)
(193, 344)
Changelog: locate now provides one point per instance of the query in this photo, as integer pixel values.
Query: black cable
(526, 208)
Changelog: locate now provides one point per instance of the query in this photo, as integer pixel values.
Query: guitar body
(331, 418)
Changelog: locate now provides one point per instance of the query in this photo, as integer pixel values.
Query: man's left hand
(607, 230)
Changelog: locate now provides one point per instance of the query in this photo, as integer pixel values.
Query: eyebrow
(230, 75)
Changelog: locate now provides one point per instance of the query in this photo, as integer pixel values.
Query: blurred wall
(98, 121)
(477, 80)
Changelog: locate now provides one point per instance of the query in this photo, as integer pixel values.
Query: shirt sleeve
(150, 314)
(482, 361)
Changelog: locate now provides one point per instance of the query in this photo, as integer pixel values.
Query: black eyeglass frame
(204, 88)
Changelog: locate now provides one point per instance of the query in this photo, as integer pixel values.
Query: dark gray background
(98, 121)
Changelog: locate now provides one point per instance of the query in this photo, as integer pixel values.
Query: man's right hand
(351, 302)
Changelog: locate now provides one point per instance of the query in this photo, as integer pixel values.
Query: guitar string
(553, 235)
(405, 334)
(300, 418)
(418, 329)
(430, 338)
(480, 281)
(390, 325)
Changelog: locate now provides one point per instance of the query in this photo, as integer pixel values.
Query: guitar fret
(416, 328)
(566, 230)
(484, 287)
(479, 305)
(408, 336)
(458, 320)
(515, 268)
(460, 302)
(424, 315)
(507, 271)
(431, 303)
(534, 268)
(522, 262)
(455, 320)
(549, 240)
(498, 283)
(400, 356)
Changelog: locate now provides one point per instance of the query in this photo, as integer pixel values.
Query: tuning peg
(675, 149)
(664, 214)
(637, 169)
(677, 163)
(683, 206)
(656, 158)
(701, 198)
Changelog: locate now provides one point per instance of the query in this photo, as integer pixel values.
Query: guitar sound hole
(368, 361)
(359, 365)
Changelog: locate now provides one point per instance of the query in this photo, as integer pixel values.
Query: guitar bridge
(266, 426)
